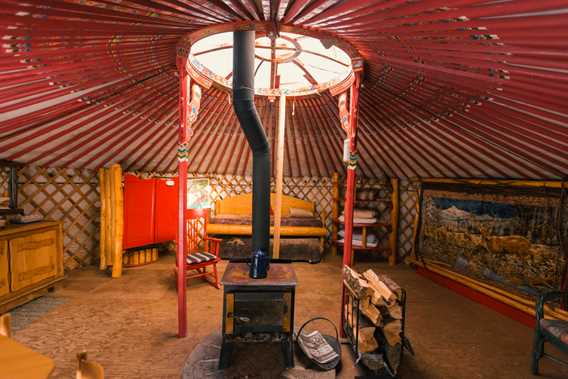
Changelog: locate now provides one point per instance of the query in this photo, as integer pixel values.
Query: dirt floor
(129, 324)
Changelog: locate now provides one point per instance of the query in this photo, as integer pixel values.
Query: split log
(391, 284)
(373, 362)
(356, 283)
(394, 310)
(392, 332)
(367, 342)
(370, 311)
(364, 322)
(381, 288)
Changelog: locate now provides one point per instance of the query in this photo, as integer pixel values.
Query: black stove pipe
(243, 103)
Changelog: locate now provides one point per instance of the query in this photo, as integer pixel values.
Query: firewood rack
(351, 328)
(351, 300)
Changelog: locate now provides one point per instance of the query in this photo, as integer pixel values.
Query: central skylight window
(291, 64)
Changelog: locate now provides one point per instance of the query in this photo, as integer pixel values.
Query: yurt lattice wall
(71, 195)
(68, 195)
(407, 204)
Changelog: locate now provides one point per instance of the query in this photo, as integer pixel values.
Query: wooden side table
(20, 362)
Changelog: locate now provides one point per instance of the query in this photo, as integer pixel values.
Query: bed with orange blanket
(301, 227)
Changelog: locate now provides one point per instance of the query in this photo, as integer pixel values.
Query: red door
(166, 209)
(139, 211)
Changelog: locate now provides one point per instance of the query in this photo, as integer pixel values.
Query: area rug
(24, 315)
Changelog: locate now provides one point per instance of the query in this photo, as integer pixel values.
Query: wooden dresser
(31, 261)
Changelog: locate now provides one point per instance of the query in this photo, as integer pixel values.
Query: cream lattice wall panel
(408, 197)
(68, 195)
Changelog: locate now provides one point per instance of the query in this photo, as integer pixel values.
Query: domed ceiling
(450, 88)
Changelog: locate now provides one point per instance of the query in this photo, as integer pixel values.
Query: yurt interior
(293, 189)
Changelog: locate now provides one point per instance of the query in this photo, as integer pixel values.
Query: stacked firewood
(380, 327)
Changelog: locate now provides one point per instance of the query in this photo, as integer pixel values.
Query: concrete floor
(129, 324)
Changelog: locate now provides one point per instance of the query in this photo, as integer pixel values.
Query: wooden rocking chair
(202, 251)
(555, 332)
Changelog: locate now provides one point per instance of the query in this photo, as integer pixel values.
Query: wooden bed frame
(242, 205)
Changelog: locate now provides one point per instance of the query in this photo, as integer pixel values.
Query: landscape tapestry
(509, 237)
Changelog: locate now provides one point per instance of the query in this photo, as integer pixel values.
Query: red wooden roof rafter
(462, 88)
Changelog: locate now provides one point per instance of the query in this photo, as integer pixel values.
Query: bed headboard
(242, 204)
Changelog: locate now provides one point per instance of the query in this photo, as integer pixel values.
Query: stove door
(262, 312)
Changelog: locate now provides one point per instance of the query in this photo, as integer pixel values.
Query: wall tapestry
(509, 237)
(198, 193)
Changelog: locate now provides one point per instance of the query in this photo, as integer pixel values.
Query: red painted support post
(182, 196)
(351, 173)
(350, 192)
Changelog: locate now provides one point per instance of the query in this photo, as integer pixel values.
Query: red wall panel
(139, 211)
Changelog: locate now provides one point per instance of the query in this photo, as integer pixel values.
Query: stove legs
(225, 356)
(288, 351)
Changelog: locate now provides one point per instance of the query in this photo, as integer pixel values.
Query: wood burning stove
(258, 310)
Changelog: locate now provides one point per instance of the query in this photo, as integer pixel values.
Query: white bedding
(360, 243)
(358, 220)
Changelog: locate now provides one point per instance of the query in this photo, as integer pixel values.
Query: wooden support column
(395, 212)
(350, 192)
(334, 211)
(182, 155)
(118, 219)
(279, 175)
(351, 173)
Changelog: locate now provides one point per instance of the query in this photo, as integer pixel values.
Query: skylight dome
(292, 64)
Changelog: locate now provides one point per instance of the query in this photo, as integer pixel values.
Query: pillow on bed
(299, 212)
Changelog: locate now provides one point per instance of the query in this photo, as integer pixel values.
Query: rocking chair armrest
(213, 244)
(546, 297)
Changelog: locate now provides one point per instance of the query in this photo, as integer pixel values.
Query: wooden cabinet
(31, 261)
(166, 222)
(139, 211)
(4, 272)
(150, 211)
